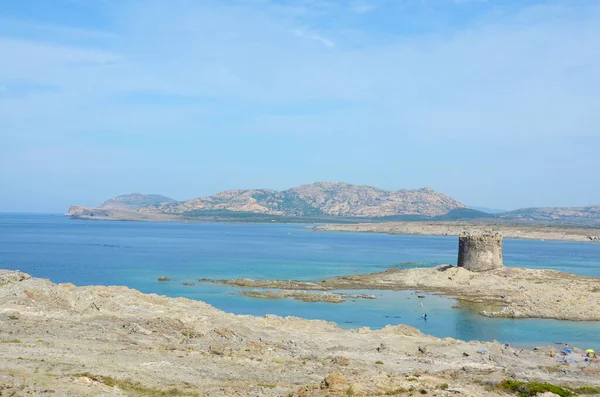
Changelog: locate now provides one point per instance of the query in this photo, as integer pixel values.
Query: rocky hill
(323, 202)
(134, 201)
(570, 215)
(317, 199)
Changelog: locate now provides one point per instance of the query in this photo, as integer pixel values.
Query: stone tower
(480, 252)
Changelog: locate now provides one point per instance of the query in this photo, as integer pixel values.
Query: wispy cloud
(241, 54)
(313, 36)
(361, 7)
(212, 74)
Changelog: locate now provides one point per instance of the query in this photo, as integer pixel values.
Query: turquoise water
(136, 253)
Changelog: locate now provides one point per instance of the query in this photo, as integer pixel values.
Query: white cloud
(313, 36)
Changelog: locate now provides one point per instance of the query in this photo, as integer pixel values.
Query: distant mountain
(487, 210)
(134, 201)
(323, 202)
(571, 215)
(317, 199)
(463, 214)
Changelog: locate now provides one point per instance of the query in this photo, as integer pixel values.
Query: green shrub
(587, 390)
(530, 389)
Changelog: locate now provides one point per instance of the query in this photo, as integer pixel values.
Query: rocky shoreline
(513, 292)
(305, 296)
(528, 231)
(63, 340)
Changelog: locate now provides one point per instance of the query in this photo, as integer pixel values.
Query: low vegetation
(395, 392)
(530, 389)
(135, 388)
(587, 390)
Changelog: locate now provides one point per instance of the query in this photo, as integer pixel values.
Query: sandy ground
(62, 340)
(533, 231)
(515, 292)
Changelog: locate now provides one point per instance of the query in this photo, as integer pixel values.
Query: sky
(495, 103)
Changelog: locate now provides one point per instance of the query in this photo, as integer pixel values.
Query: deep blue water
(136, 253)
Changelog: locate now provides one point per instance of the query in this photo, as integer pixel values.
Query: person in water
(424, 316)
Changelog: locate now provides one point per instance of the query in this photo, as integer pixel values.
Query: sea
(135, 254)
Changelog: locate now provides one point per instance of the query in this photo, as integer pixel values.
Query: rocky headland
(63, 340)
(510, 292)
(109, 214)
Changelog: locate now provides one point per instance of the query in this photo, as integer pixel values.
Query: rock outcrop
(62, 340)
(510, 292)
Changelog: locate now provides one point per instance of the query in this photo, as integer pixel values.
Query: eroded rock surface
(115, 341)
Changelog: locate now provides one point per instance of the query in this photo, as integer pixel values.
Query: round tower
(480, 252)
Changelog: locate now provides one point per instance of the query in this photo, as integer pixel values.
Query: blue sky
(496, 103)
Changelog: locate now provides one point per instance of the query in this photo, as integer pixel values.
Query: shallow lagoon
(136, 253)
